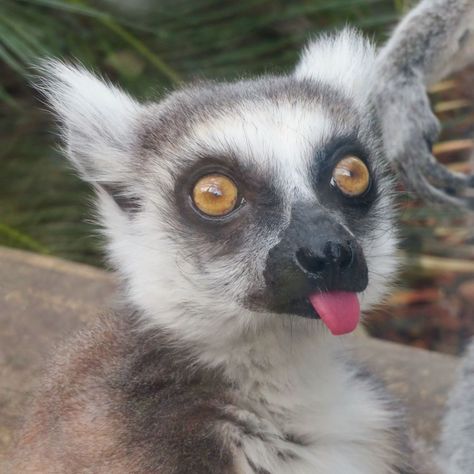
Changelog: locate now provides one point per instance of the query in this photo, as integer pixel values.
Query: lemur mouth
(339, 310)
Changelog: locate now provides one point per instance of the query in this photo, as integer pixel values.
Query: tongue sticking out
(340, 310)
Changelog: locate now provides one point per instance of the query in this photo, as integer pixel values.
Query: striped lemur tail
(435, 39)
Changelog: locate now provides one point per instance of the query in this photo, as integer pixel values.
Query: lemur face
(231, 205)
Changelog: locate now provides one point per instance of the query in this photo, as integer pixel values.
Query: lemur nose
(335, 256)
(315, 253)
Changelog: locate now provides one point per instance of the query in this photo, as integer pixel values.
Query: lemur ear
(343, 60)
(96, 121)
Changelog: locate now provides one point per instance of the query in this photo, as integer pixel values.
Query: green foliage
(179, 38)
(147, 48)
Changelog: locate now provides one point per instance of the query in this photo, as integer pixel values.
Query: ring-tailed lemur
(250, 223)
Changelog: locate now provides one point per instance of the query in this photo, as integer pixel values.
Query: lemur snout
(315, 254)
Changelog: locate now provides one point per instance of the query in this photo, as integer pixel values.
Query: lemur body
(273, 390)
(237, 215)
(139, 405)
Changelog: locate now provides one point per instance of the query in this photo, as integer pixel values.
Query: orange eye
(351, 176)
(215, 195)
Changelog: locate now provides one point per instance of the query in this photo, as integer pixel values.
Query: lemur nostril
(335, 255)
(310, 262)
(346, 257)
(339, 254)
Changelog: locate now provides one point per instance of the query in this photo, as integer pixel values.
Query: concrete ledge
(43, 299)
(420, 379)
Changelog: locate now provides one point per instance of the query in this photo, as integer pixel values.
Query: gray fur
(199, 380)
(434, 39)
(204, 375)
(457, 439)
(136, 406)
(120, 400)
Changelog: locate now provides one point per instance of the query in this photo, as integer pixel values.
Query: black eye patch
(261, 206)
(254, 187)
(322, 176)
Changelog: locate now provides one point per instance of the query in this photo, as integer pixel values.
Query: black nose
(315, 253)
(334, 258)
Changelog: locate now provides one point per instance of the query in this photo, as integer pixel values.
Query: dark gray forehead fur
(164, 122)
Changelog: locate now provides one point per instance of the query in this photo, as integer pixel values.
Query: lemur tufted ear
(96, 121)
(343, 60)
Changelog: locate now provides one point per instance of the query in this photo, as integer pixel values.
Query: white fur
(97, 120)
(344, 61)
(278, 138)
(289, 373)
(291, 365)
(296, 382)
(281, 140)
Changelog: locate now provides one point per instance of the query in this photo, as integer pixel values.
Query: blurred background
(150, 47)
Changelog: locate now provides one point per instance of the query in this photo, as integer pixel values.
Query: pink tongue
(339, 310)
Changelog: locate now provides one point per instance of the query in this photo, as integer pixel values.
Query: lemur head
(231, 206)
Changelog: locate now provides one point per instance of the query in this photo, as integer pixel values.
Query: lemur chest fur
(305, 412)
(131, 400)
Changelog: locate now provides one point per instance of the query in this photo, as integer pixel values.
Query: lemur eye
(215, 195)
(351, 176)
